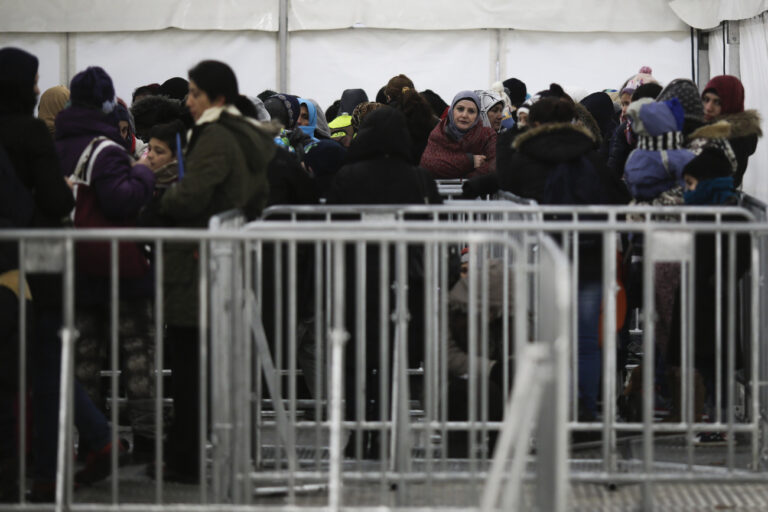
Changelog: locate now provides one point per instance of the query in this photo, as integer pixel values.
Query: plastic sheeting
(706, 14)
(140, 15)
(137, 15)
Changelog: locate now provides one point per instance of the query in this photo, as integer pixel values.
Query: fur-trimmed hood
(731, 126)
(555, 142)
(744, 123)
(589, 122)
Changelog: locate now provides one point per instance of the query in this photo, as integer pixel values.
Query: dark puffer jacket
(551, 147)
(378, 169)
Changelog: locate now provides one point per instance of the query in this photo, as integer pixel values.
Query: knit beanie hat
(731, 93)
(709, 164)
(657, 164)
(687, 94)
(93, 88)
(517, 91)
(644, 76)
(325, 157)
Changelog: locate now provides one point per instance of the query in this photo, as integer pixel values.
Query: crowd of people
(187, 149)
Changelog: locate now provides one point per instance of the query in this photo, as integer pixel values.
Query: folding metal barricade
(295, 455)
(648, 451)
(657, 458)
(242, 445)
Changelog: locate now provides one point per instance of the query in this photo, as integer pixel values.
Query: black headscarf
(18, 70)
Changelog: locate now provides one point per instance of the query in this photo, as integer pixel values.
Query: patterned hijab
(488, 100)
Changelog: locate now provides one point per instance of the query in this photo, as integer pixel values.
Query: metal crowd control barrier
(251, 444)
(254, 372)
(368, 276)
(670, 237)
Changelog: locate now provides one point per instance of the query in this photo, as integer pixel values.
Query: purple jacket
(116, 192)
(121, 189)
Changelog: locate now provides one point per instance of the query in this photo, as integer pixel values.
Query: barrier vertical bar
(609, 351)
(385, 318)
(203, 370)
(22, 318)
(114, 320)
(338, 338)
(159, 324)
(648, 358)
(291, 434)
(360, 340)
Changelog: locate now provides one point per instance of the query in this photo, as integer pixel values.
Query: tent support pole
(282, 47)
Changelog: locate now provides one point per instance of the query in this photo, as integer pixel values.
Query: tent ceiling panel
(706, 14)
(544, 15)
(139, 15)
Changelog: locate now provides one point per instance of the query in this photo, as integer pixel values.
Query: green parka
(225, 168)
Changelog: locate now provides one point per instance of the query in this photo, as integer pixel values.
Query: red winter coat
(446, 158)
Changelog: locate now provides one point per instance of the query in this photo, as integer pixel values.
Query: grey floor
(671, 454)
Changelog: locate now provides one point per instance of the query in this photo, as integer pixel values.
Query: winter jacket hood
(563, 142)
(383, 133)
(351, 98)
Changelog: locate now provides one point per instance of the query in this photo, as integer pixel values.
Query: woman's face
(197, 101)
(712, 106)
(494, 116)
(464, 114)
(303, 116)
(522, 118)
(159, 154)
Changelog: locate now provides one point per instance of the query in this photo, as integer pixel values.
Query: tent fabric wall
(322, 64)
(753, 35)
(753, 47)
(707, 14)
(140, 15)
(138, 58)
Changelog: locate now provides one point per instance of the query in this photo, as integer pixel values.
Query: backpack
(93, 258)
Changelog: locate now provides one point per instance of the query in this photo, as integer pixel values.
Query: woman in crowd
(460, 146)
(723, 100)
(52, 102)
(401, 94)
(491, 109)
(225, 168)
(111, 190)
(31, 152)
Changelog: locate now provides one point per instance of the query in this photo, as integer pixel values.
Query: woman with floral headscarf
(460, 146)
